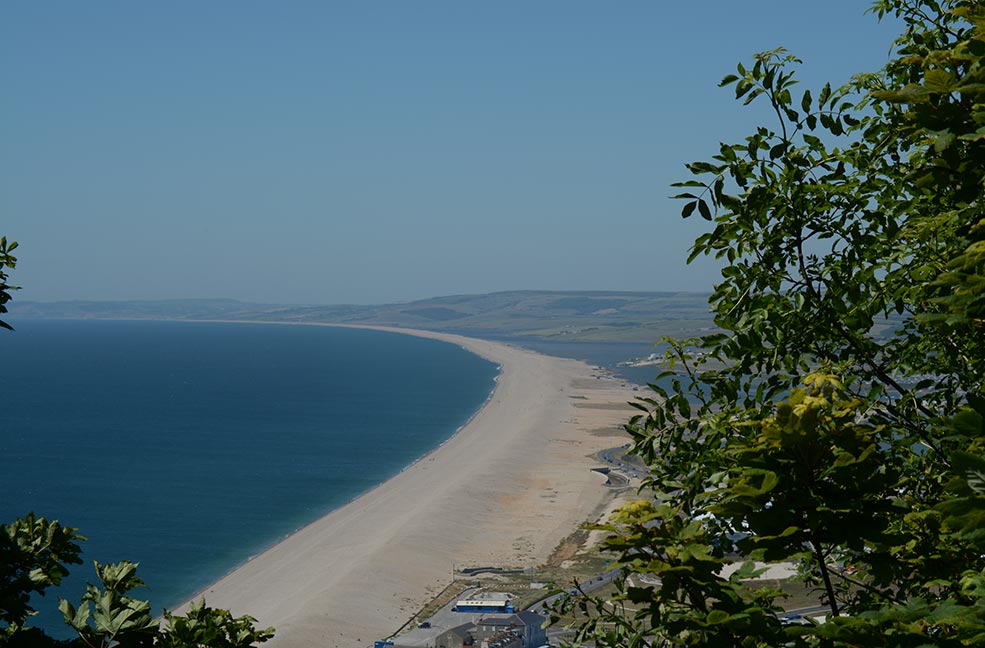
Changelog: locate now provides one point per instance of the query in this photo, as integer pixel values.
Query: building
(520, 630)
(526, 624)
(457, 637)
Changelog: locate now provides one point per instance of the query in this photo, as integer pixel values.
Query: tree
(837, 417)
(34, 553)
(7, 260)
(33, 557)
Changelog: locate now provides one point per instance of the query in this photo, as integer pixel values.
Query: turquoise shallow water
(190, 447)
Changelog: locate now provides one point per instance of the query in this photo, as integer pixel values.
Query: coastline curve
(503, 490)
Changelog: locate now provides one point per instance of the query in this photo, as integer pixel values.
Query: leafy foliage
(836, 422)
(207, 627)
(7, 260)
(34, 554)
(108, 616)
(33, 557)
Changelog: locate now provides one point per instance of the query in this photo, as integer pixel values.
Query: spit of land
(505, 490)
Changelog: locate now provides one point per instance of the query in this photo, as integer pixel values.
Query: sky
(374, 152)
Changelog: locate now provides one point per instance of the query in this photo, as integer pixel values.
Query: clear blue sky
(369, 152)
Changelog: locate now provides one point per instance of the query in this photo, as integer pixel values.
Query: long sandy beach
(504, 491)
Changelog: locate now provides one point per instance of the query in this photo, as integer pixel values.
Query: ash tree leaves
(808, 479)
(945, 97)
(766, 152)
(695, 602)
(964, 512)
(835, 419)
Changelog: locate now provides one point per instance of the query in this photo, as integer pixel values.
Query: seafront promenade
(505, 490)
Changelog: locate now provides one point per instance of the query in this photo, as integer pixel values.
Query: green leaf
(703, 210)
(939, 81)
(824, 96)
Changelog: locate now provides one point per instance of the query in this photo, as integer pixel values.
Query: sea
(190, 447)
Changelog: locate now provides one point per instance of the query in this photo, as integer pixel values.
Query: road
(612, 458)
(445, 619)
(442, 620)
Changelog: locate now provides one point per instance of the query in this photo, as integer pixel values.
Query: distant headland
(575, 316)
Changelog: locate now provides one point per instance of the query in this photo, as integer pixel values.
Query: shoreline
(505, 488)
(184, 603)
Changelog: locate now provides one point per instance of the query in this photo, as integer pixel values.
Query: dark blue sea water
(190, 447)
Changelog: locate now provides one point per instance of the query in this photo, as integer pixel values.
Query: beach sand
(504, 491)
